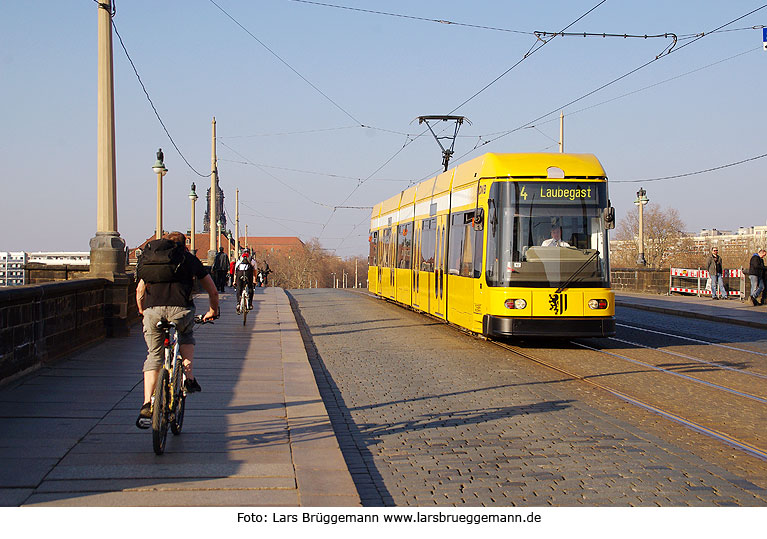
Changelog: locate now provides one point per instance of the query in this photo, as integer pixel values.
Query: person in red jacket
(231, 273)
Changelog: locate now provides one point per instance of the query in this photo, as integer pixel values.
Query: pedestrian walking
(756, 272)
(714, 268)
(220, 269)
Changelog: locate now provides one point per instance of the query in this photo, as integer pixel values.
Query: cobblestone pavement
(426, 415)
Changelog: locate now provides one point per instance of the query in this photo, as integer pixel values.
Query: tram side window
(428, 244)
(404, 245)
(455, 244)
(386, 248)
(461, 245)
(373, 256)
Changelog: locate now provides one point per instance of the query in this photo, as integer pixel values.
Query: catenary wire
(248, 161)
(610, 83)
(294, 70)
(531, 51)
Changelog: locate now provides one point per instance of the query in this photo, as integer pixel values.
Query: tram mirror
(609, 217)
(478, 223)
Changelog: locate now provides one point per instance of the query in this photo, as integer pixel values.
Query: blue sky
(295, 153)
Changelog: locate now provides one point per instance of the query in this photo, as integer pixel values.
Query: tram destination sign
(558, 193)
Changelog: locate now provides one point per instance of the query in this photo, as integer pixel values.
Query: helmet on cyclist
(246, 254)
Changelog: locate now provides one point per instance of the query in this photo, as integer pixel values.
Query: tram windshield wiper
(576, 272)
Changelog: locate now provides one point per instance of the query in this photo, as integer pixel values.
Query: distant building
(22, 268)
(12, 268)
(745, 238)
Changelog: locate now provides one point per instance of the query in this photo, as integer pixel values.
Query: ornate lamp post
(641, 201)
(193, 198)
(160, 170)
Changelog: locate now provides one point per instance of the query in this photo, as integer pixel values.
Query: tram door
(440, 274)
(374, 269)
(416, 264)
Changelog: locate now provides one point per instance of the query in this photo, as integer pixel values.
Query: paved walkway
(257, 435)
(731, 311)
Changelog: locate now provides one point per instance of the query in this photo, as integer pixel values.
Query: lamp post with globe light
(160, 170)
(193, 198)
(641, 202)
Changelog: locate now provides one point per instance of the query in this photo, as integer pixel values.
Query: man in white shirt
(556, 238)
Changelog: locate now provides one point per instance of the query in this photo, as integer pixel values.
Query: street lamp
(193, 198)
(160, 170)
(641, 201)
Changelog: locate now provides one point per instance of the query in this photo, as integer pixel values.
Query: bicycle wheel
(180, 399)
(159, 413)
(244, 308)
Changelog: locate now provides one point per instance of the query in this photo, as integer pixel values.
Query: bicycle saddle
(164, 324)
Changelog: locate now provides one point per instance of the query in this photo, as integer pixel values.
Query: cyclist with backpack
(243, 276)
(166, 274)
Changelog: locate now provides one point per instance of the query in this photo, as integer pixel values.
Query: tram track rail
(713, 433)
(692, 339)
(717, 364)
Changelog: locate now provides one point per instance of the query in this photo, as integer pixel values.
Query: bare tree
(663, 237)
(311, 266)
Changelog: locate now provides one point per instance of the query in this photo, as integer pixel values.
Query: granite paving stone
(69, 438)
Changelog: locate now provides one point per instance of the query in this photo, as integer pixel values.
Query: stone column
(108, 254)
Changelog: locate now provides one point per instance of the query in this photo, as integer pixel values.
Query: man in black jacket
(220, 269)
(756, 271)
(714, 268)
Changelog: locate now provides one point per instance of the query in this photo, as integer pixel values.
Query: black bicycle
(169, 398)
(245, 301)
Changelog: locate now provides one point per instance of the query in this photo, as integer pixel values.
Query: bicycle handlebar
(198, 319)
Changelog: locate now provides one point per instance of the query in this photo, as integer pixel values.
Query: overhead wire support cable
(146, 93)
(294, 70)
(425, 19)
(686, 174)
(527, 55)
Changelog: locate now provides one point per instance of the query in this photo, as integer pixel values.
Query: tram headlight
(598, 304)
(515, 304)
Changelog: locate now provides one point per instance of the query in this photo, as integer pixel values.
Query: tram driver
(556, 238)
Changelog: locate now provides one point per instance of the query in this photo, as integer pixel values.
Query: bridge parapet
(40, 323)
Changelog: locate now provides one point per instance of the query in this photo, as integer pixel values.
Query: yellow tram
(503, 245)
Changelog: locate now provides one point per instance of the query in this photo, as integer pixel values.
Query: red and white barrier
(693, 281)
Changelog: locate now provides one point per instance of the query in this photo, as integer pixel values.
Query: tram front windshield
(542, 234)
